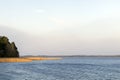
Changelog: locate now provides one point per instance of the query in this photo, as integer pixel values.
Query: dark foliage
(7, 49)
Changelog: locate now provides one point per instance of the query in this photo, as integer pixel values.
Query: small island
(9, 53)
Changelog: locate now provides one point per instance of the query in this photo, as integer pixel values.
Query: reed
(26, 59)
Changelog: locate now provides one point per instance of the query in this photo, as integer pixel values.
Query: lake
(69, 68)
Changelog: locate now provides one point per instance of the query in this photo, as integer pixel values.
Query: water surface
(70, 68)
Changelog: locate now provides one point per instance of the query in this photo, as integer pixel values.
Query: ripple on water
(66, 69)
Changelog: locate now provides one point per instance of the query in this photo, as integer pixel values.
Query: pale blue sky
(63, 26)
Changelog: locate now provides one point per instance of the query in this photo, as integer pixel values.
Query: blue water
(71, 68)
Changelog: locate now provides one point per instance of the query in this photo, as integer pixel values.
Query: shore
(26, 59)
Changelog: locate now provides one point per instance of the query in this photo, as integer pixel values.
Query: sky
(62, 27)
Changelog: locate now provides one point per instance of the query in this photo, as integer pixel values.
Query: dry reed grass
(26, 59)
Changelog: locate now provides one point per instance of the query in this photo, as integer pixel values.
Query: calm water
(74, 68)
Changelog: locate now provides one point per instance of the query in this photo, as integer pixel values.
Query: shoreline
(26, 59)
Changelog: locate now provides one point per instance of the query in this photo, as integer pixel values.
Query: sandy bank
(26, 59)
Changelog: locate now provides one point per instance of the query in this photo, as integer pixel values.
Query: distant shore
(26, 59)
(84, 56)
(38, 58)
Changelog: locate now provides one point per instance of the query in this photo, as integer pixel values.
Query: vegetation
(7, 49)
